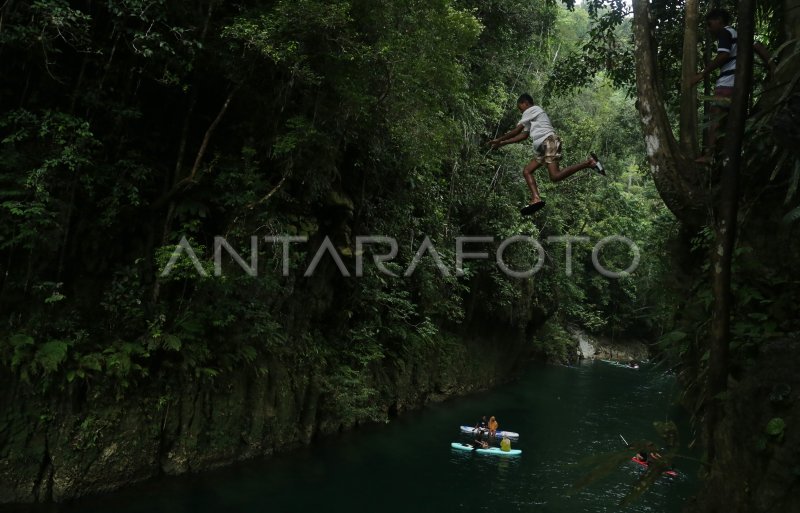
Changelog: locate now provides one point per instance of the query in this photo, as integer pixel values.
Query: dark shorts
(722, 97)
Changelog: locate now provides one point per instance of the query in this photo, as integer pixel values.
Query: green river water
(563, 414)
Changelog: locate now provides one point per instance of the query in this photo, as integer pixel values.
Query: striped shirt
(727, 43)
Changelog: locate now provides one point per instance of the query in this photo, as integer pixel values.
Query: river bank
(88, 442)
(91, 443)
(564, 415)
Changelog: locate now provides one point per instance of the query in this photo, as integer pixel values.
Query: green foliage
(605, 45)
(50, 355)
(775, 427)
(345, 118)
(347, 388)
(554, 343)
(34, 186)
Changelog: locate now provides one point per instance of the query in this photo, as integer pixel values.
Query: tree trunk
(791, 19)
(784, 83)
(674, 173)
(725, 223)
(688, 122)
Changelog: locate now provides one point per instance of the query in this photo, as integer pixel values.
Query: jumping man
(536, 125)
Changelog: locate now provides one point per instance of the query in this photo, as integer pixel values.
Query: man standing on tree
(718, 22)
(535, 124)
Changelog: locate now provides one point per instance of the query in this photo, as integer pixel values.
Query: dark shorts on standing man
(722, 97)
(550, 150)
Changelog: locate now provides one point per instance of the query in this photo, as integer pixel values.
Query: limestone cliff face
(80, 440)
(604, 348)
(72, 447)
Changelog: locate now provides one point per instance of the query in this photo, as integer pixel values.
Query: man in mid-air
(535, 124)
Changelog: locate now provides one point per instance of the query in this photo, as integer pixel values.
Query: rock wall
(74, 446)
(586, 344)
(622, 351)
(603, 348)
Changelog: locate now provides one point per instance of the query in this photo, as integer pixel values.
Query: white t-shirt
(727, 43)
(537, 124)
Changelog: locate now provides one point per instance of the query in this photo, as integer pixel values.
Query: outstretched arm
(517, 138)
(514, 136)
(508, 135)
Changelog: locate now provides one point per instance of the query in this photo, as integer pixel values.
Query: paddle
(627, 444)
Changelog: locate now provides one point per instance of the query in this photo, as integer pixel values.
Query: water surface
(563, 415)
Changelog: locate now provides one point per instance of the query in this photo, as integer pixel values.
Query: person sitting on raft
(492, 426)
(481, 425)
(649, 453)
(480, 444)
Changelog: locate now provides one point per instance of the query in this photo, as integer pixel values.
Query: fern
(51, 355)
(21, 344)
